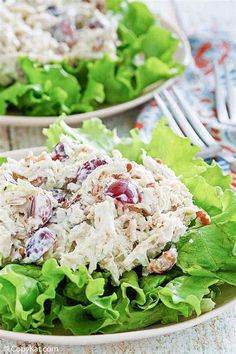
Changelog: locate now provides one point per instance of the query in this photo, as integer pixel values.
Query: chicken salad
(57, 205)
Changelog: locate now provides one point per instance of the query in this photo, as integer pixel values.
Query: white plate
(226, 300)
(182, 55)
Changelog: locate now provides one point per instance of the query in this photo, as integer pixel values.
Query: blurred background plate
(182, 55)
(226, 300)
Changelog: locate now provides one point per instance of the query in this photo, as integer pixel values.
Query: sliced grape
(65, 31)
(93, 24)
(59, 153)
(39, 243)
(88, 167)
(123, 191)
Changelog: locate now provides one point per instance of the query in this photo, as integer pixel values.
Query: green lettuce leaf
(176, 152)
(151, 71)
(47, 104)
(134, 319)
(185, 294)
(27, 291)
(180, 155)
(114, 5)
(17, 294)
(93, 131)
(97, 133)
(78, 69)
(159, 43)
(93, 95)
(14, 93)
(117, 86)
(51, 75)
(138, 304)
(130, 147)
(55, 131)
(210, 252)
(91, 318)
(228, 211)
(3, 160)
(129, 42)
(138, 18)
(49, 90)
(150, 285)
(213, 175)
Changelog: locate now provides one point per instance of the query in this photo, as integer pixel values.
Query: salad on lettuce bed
(43, 298)
(144, 54)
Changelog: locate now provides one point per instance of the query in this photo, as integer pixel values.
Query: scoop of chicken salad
(102, 234)
(81, 206)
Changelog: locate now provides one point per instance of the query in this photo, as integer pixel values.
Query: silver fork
(225, 96)
(185, 122)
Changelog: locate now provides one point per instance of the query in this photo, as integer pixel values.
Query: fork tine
(193, 119)
(168, 115)
(181, 119)
(231, 94)
(212, 151)
(222, 113)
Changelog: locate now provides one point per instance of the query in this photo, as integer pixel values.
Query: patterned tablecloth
(202, 20)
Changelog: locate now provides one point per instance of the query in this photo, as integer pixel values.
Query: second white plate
(182, 56)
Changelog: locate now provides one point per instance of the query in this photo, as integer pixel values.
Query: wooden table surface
(215, 336)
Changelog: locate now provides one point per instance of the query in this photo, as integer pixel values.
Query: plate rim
(27, 121)
(107, 338)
